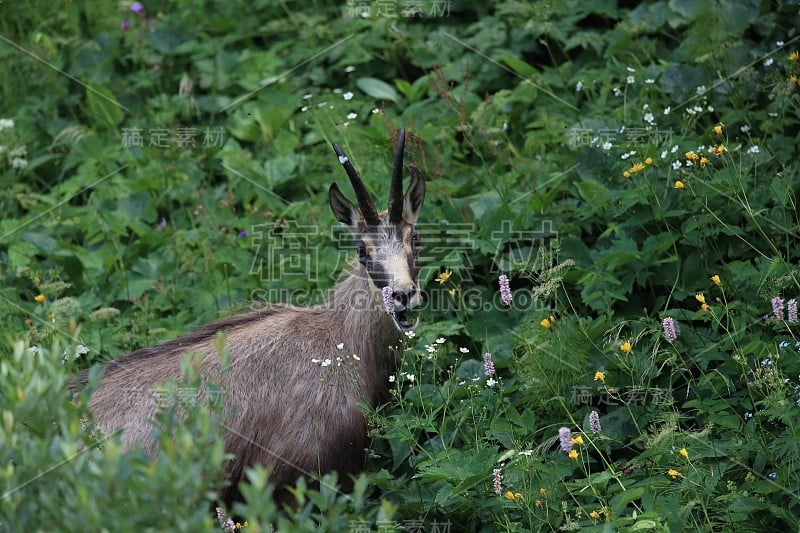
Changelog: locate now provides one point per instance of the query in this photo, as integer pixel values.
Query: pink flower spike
(594, 422)
(565, 438)
(671, 329)
(505, 290)
(388, 299)
(777, 307)
(497, 481)
(488, 364)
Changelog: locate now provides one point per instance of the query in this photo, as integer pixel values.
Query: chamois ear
(343, 209)
(415, 195)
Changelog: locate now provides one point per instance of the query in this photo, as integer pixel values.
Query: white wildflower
(348, 95)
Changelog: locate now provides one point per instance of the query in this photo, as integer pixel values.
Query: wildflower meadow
(609, 336)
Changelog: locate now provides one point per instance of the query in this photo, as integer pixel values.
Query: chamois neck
(359, 307)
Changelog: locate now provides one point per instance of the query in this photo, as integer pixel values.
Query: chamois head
(387, 243)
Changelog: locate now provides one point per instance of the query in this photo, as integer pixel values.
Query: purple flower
(565, 437)
(505, 291)
(497, 481)
(125, 25)
(777, 307)
(163, 223)
(137, 7)
(792, 306)
(226, 524)
(594, 422)
(243, 233)
(671, 329)
(488, 364)
(388, 299)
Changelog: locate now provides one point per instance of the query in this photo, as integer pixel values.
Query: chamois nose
(404, 297)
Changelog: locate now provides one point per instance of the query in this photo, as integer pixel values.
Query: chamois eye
(362, 252)
(415, 242)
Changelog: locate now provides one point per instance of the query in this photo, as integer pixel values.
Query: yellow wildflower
(627, 173)
(543, 493)
(600, 376)
(573, 454)
(704, 307)
(700, 298)
(648, 161)
(626, 347)
(637, 167)
(510, 495)
(674, 473)
(703, 162)
(518, 496)
(443, 277)
(545, 323)
(691, 156)
(577, 440)
(40, 298)
(595, 515)
(684, 453)
(793, 79)
(452, 292)
(794, 56)
(679, 185)
(719, 149)
(718, 128)
(716, 279)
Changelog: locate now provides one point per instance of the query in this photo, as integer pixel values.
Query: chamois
(283, 409)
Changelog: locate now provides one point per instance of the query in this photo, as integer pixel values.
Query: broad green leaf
(378, 89)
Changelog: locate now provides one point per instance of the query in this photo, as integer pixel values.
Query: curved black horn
(396, 188)
(362, 195)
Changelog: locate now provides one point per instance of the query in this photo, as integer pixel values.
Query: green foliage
(609, 159)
